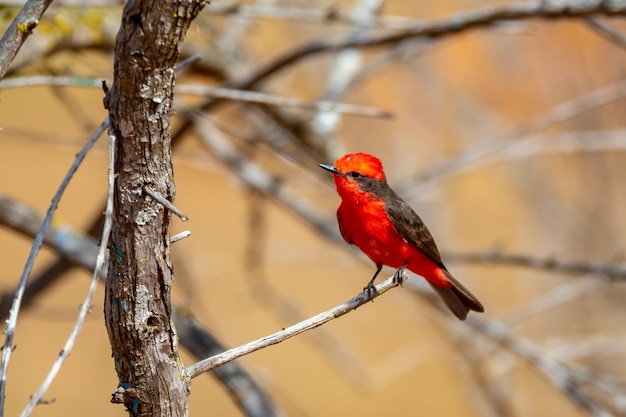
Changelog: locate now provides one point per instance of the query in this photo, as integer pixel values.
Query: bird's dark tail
(458, 298)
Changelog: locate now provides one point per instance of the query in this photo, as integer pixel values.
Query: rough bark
(152, 378)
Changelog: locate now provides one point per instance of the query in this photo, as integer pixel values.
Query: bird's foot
(398, 277)
(370, 290)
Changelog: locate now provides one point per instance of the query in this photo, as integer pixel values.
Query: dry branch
(291, 331)
(553, 264)
(460, 22)
(7, 348)
(85, 307)
(18, 31)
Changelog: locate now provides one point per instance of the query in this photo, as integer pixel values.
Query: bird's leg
(370, 288)
(399, 275)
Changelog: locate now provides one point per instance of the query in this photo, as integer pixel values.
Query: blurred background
(508, 139)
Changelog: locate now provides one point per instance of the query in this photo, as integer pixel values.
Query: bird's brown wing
(411, 227)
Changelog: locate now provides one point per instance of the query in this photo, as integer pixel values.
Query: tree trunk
(153, 381)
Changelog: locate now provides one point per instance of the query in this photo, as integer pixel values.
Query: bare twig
(341, 73)
(85, 307)
(223, 93)
(264, 98)
(20, 28)
(556, 297)
(476, 155)
(180, 236)
(52, 81)
(37, 242)
(603, 29)
(309, 15)
(308, 324)
(334, 15)
(560, 376)
(551, 368)
(616, 271)
(248, 394)
(18, 217)
(165, 202)
(255, 177)
(479, 18)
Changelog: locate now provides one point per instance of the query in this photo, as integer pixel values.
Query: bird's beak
(330, 168)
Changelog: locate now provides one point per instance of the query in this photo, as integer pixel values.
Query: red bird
(375, 219)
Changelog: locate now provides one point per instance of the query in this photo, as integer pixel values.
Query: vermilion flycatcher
(375, 219)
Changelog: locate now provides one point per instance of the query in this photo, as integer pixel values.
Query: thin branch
(477, 154)
(556, 372)
(274, 100)
(460, 22)
(216, 92)
(280, 336)
(254, 176)
(7, 349)
(323, 15)
(616, 271)
(345, 66)
(605, 30)
(320, 15)
(558, 296)
(85, 307)
(165, 202)
(551, 368)
(20, 28)
(51, 81)
(248, 394)
(180, 236)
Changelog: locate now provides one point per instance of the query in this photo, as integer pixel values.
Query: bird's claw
(370, 290)
(398, 277)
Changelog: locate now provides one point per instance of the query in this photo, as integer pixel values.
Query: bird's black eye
(355, 174)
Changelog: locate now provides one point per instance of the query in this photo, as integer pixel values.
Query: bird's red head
(362, 163)
(352, 169)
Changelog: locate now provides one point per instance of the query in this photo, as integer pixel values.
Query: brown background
(397, 356)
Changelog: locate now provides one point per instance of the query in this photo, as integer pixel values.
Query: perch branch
(282, 335)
